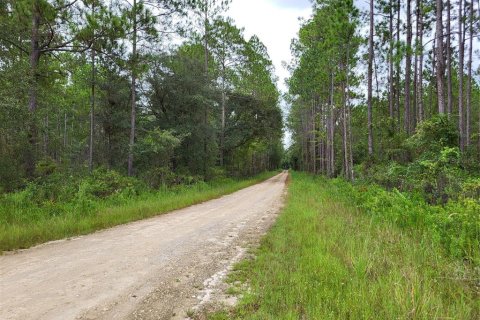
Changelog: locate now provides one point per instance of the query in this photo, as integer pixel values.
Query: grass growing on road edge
(326, 259)
(28, 226)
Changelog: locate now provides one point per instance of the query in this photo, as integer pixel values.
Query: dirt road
(152, 269)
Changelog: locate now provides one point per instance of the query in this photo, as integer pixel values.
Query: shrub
(103, 183)
(456, 225)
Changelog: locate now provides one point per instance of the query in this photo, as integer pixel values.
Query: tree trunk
(33, 90)
(133, 91)
(346, 160)
(469, 83)
(449, 62)
(440, 58)
(205, 111)
(461, 112)
(222, 134)
(415, 67)
(397, 82)
(348, 165)
(330, 132)
(314, 141)
(65, 132)
(45, 136)
(390, 63)
(370, 74)
(434, 72)
(92, 105)
(419, 93)
(34, 56)
(408, 69)
(321, 142)
(350, 140)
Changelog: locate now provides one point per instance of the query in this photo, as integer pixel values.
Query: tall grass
(326, 259)
(24, 224)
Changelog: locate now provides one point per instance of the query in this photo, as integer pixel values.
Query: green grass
(326, 259)
(24, 224)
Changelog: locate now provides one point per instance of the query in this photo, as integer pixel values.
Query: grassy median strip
(326, 259)
(28, 226)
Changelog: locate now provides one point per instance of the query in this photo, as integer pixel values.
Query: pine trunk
(469, 83)
(398, 70)
(461, 112)
(33, 90)
(440, 58)
(408, 67)
(370, 74)
(92, 106)
(390, 63)
(133, 91)
(222, 134)
(419, 93)
(205, 110)
(449, 62)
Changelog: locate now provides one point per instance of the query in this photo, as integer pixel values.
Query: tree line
(389, 91)
(147, 88)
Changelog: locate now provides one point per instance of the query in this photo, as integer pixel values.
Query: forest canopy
(146, 88)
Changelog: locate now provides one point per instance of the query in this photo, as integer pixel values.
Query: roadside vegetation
(359, 252)
(387, 224)
(112, 111)
(51, 209)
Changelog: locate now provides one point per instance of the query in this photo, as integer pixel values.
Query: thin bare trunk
(397, 71)
(414, 111)
(390, 63)
(370, 74)
(346, 128)
(461, 54)
(65, 132)
(419, 100)
(449, 62)
(314, 151)
(330, 133)
(433, 74)
(469, 83)
(350, 139)
(45, 136)
(133, 91)
(92, 105)
(224, 102)
(408, 69)
(205, 111)
(346, 161)
(440, 59)
(33, 90)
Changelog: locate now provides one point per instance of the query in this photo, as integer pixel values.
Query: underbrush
(428, 163)
(59, 206)
(455, 225)
(339, 251)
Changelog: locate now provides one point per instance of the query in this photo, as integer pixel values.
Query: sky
(275, 22)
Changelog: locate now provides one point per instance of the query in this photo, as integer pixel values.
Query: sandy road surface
(152, 269)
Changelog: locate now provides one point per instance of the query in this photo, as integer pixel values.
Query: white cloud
(299, 4)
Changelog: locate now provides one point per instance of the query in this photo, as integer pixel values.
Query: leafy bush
(456, 225)
(156, 148)
(103, 183)
(471, 189)
(45, 167)
(433, 135)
